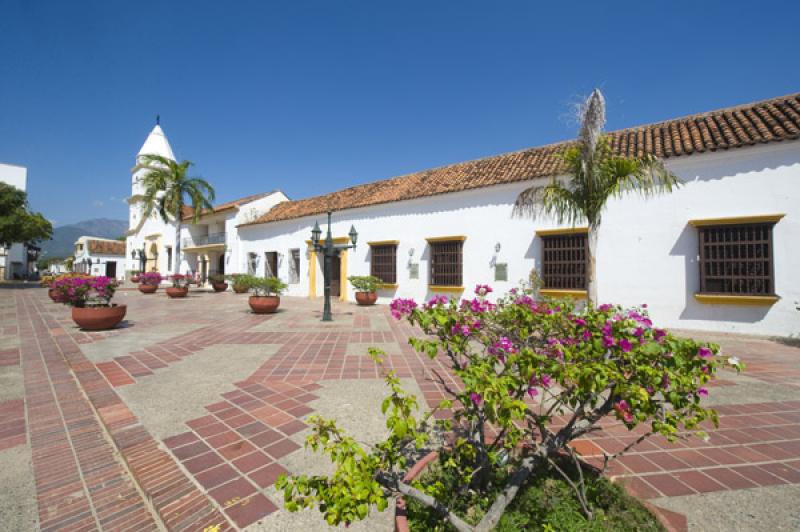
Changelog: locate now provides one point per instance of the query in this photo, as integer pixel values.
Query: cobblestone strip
(180, 504)
(79, 483)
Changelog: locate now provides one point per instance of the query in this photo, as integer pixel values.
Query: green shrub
(266, 286)
(365, 283)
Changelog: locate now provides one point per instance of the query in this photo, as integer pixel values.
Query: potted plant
(180, 286)
(218, 282)
(366, 288)
(149, 281)
(47, 281)
(90, 299)
(135, 276)
(240, 282)
(266, 294)
(531, 379)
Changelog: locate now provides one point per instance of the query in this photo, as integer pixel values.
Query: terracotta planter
(98, 318)
(134, 279)
(264, 304)
(400, 519)
(366, 298)
(51, 292)
(219, 287)
(148, 288)
(240, 289)
(174, 292)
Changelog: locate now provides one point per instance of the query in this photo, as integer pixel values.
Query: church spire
(157, 143)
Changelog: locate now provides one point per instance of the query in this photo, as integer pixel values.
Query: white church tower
(150, 243)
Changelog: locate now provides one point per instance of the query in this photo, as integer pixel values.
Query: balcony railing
(204, 240)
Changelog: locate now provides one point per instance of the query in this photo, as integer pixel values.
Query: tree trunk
(176, 266)
(591, 266)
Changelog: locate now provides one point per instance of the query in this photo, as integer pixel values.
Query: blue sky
(311, 97)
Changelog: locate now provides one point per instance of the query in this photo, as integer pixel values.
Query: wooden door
(111, 269)
(336, 276)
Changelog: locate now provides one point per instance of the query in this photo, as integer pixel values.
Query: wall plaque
(501, 271)
(413, 271)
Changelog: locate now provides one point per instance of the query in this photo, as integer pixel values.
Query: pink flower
(704, 352)
(483, 289)
(533, 392)
(476, 399)
(401, 307)
(625, 345)
(702, 392)
(587, 334)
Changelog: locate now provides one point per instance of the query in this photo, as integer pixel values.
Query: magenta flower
(533, 392)
(401, 307)
(702, 392)
(476, 399)
(704, 352)
(483, 289)
(625, 345)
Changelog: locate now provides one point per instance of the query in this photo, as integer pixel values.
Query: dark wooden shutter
(446, 263)
(736, 259)
(564, 261)
(384, 263)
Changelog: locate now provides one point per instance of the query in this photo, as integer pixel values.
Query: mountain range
(64, 237)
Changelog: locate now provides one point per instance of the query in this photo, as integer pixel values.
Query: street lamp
(329, 250)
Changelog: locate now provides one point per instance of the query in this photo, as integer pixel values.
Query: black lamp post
(329, 250)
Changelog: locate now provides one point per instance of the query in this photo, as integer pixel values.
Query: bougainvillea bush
(84, 291)
(534, 376)
(150, 278)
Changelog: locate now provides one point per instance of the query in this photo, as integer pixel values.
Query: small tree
(167, 186)
(594, 174)
(532, 377)
(17, 222)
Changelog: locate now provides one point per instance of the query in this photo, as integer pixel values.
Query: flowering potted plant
(218, 282)
(266, 294)
(49, 280)
(149, 281)
(180, 285)
(135, 276)
(240, 282)
(366, 288)
(530, 379)
(90, 299)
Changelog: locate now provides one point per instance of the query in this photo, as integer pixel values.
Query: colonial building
(203, 248)
(99, 256)
(720, 253)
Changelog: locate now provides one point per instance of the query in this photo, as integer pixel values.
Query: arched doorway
(153, 256)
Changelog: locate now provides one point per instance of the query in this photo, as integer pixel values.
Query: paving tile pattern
(216, 471)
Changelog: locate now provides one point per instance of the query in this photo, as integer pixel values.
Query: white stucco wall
(647, 252)
(13, 260)
(99, 268)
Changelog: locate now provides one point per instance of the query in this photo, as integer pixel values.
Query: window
(564, 261)
(271, 264)
(736, 259)
(446, 262)
(294, 266)
(251, 263)
(169, 259)
(383, 264)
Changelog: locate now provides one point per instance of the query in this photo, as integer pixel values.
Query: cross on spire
(158, 120)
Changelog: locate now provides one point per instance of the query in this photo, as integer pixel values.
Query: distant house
(100, 256)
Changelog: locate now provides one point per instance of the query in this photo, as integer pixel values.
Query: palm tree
(167, 186)
(593, 175)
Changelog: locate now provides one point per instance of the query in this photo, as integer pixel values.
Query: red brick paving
(232, 453)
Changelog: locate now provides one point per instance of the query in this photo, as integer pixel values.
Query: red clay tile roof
(744, 125)
(188, 211)
(106, 247)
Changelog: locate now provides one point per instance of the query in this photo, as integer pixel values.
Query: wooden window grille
(294, 266)
(447, 263)
(383, 264)
(564, 261)
(736, 259)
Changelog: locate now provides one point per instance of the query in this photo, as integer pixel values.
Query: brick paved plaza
(184, 417)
